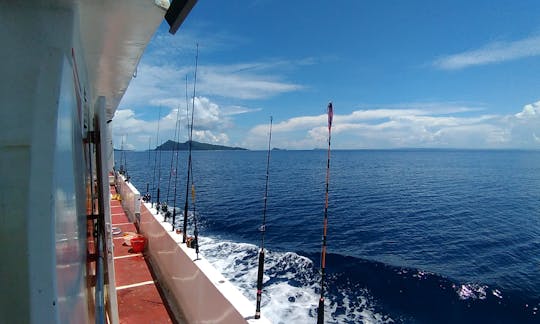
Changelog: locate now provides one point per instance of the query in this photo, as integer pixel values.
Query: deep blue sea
(414, 236)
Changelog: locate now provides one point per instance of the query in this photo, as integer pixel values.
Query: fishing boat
(65, 67)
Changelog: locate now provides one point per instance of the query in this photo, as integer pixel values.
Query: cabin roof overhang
(114, 35)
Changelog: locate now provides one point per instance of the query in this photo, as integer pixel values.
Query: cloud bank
(437, 127)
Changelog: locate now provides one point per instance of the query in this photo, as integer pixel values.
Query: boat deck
(139, 298)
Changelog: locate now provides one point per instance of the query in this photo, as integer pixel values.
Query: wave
(361, 290)
(414, 296)
(291, 286)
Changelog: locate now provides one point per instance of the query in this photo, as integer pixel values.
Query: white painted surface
(110, 283)
(131, 198)
(114, 35)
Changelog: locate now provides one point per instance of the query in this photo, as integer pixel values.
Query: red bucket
(138, 243)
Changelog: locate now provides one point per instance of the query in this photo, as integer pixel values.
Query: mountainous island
(196, 146)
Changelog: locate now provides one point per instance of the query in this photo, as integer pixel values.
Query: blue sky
(459, 74)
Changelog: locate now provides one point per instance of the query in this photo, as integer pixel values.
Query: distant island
(196, 146)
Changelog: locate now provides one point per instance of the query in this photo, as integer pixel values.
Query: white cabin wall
(69, 207)
(41, 167)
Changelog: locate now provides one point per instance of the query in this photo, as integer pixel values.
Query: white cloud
(169, 58)
(491, 53)
(530, 111)
(208, 136)
(210, 125)
(156, 85)
(166, 84)
(238, 110)
(367, 128)
(394, 128)
(208, 115)
(244, 81)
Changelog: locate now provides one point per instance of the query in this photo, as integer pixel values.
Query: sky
(400, 74)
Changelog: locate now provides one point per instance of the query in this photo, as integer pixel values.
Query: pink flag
(330, 115)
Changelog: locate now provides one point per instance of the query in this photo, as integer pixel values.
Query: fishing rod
(263, 231)
(122, 156)
(190, 147)
(146, 197)
(149, 144)
(195, 242)
(177, 143)
(320, 312)
(155, 162)
(175, 183)
(125, 161)
(174, 194)
(158, 203)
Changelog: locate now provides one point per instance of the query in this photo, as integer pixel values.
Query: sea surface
(414, 236)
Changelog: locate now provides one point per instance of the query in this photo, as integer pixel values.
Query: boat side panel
(195, 294)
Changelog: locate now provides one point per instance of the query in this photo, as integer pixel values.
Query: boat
(65, 67)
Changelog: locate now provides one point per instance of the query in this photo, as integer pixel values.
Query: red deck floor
(139, 300)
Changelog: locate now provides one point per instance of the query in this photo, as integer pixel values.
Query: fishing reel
(191, 242)
(164, 207)
(146, 198)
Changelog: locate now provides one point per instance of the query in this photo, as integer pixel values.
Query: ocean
(414, 236)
